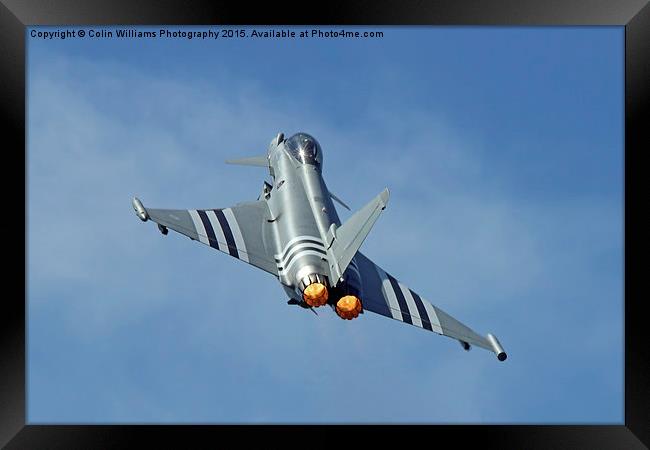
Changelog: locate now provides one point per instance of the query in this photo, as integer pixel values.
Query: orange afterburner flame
(348, 307)
(315, 294)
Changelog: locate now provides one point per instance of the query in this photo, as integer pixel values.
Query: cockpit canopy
(305, 149)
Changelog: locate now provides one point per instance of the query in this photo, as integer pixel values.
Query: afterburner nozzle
(315, 294)
(348, 307)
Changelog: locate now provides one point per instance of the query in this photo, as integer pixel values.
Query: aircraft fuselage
(302, 214)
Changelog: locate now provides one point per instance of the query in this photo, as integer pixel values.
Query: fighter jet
(293, 232)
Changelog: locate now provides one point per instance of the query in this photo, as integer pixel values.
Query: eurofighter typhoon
(293, 232)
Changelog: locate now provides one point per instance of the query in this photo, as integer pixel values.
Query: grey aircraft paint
(294, 233)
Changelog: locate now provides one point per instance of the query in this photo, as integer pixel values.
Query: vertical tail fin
(345, 241)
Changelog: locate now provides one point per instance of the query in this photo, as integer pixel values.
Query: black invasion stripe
(353, 269)
(319, 250)
(406, 317)
(426, 323)
(352, 273)
(227, 232)
(353, 278)
(302, 241)
(208, 229)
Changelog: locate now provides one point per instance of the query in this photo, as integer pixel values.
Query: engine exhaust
(314, 291)
(348, 307)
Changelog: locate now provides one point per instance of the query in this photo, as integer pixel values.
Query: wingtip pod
(139, 209)
(496, 347)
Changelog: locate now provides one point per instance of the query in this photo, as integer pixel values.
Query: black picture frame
(16, 15)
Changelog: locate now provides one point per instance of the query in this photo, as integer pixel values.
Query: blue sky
(503, 151)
